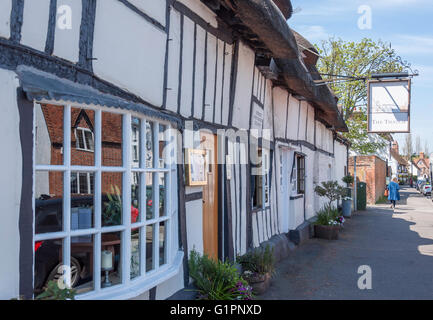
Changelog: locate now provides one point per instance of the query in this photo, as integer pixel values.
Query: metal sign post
(355, 202)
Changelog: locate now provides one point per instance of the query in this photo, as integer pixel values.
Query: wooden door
(210, 196)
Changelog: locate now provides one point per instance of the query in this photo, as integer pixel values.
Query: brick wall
(372, 171)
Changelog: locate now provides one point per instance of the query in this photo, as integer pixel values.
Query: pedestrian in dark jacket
(394, 194)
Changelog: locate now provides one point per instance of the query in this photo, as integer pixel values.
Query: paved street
(398, 246)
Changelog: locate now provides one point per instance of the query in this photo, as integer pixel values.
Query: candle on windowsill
(106, 260)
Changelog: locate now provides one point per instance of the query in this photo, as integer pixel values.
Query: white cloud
(313, 33)
(413, 44)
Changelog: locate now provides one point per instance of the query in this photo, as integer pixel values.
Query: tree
(408, 146)
(341, 59)
(418, 144)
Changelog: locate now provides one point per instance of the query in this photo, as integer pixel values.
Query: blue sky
(406, 24)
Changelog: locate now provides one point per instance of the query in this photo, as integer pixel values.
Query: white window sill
(138, 286)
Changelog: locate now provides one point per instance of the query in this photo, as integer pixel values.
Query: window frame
(83, 134)
(297, 171)
(173, 258)
(264, 189)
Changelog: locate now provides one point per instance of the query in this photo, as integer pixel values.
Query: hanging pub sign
(389, 106)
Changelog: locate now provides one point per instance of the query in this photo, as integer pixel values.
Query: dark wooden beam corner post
(25, 225)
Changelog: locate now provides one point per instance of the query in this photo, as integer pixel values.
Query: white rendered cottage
(92, 92)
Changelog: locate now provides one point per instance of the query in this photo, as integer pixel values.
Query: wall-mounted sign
(389, 106)
(257, 117)
(196, 174)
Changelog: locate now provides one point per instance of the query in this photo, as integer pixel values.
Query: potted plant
(347, 196)
(258, 266)
(328, 223)
(54, 292)
(217, 280)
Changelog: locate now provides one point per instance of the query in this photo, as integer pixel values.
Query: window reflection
(82, 200)
(82, 137)
(162, 243)
(48, 201)
(149, 196)
(48, 262)
(135, 142)
(135, 197)
(82, 258)
(149, 145)
(111, 259)
(49, 135)
(162, 194)
(111, 198)
(162, 145)
(112, 138)
(135, 253)
(149, 248)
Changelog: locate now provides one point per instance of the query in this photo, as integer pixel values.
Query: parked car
(426, 189)
(49, 218)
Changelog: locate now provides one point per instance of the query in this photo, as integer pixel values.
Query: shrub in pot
(217, 280)
(258, 267)
(328, 223)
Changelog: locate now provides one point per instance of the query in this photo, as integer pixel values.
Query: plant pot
(347, 208)
(326, 232)
(260, 283)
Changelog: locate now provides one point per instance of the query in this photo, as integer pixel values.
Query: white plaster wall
(187, 67)
(280, 112)
(194, 225)
(135, 39)
(227, 82)
(340, 161)
(309, 184)
(199, 8)
(173, 61)
(155, 9)
(219, 82)
(241, 108)
(5, 17)
(292, 119)
(303, 122)
(297, 207)
(171, 286)
(66, 42)
(199, 72)
(10, 195)
(35, 24)
(210, 78)
(267, 122)
(310, 125)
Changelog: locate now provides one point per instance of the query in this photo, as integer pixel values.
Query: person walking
(394, 194)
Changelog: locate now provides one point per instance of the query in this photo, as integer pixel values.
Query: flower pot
(260, 283)
(326, 232)
(347, 208)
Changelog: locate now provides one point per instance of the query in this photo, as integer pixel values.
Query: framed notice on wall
(389, 106)
(195, 163)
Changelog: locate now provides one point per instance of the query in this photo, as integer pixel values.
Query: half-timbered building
(93, 91)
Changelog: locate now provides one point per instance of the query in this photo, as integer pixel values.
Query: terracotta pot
(260, 283)
(326, 232)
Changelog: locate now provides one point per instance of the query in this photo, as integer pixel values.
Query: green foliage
(331, 190)
(360, 60)
(217, 280)
(348, 179)
(260, 260)
(53, 292)
(382, 200)
(327, 215)
(112, 214)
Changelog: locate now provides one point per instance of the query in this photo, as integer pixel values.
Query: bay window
(106, 215)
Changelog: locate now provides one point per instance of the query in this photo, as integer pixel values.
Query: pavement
(396, 244)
